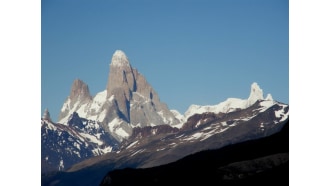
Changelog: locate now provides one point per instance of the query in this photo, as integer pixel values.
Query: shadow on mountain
(256, 162)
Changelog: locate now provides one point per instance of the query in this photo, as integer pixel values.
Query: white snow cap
(119, 58)
(269, 97)
(255, 94)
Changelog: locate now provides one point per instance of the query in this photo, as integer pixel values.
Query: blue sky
(191, 52)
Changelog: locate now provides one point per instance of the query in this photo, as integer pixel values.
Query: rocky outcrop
(121, 82)
(137, 101)
(254, 162)
(80, 91)
(79, 95)
(46, 115)
(64, 145)
(146, 132)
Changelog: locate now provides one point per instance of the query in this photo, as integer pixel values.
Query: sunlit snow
(132, 144)
(92, 138)
(121, 132)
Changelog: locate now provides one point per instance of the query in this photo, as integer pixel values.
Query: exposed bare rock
(80, 91)
(46, 115)
(129, 101)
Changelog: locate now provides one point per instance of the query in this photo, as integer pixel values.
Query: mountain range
(127, 125)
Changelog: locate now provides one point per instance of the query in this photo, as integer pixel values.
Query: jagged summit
(121, 82)
(79, 95)
(120, 59)
(129, 101)
(231, 104)
(269, 97)
(128, 125)
(120, 75)
(79, 90)
(255, 94)
(46, 115)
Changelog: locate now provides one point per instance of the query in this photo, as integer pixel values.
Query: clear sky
(192, 52)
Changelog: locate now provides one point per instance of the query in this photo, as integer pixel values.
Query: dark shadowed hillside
(257, 162)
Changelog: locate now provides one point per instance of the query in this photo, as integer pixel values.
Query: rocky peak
(119, 59)
(121, 82)
(121, 74)
(79, 91)
(128, 101)
(46, 115)
(79, 95)
(75, 120)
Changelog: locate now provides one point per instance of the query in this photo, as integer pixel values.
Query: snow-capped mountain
(126, 125)
(128, 101)
(64, 145)
(208, 130)
(159, 145)
(231, 104)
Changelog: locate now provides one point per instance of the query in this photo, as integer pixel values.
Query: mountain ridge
(128, 101)
(223, 166)
(126, 125)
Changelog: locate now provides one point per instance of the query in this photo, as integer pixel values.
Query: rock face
(80, 91)
(121, 83)
(129, 101)
(79, 95)
(64, 145)
(127, 125)
(46, 115)
(254, 162)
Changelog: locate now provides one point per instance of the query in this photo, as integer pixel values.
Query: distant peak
(119, 58)
(269, 97)
(46, 115)
(255, 94)
(79, 89)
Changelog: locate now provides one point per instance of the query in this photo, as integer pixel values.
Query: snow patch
(76, 145)
(82, 111)
(231, 104)
(107, 149)
(160, 149)
(161, 114)
(119, 59)
(154, 131)
(267, 103)
(66, 105)
(132, 144)
(281, 114)
(111, 98)
(138, 151)
(91, 138)
(115, 122)
(178, 115)
(61, 165)
(98, 101)
(278, 113)
(114, 127)
(121, 132)
(102, 115)
(285, 116)
(77, 153)
(198, 123)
